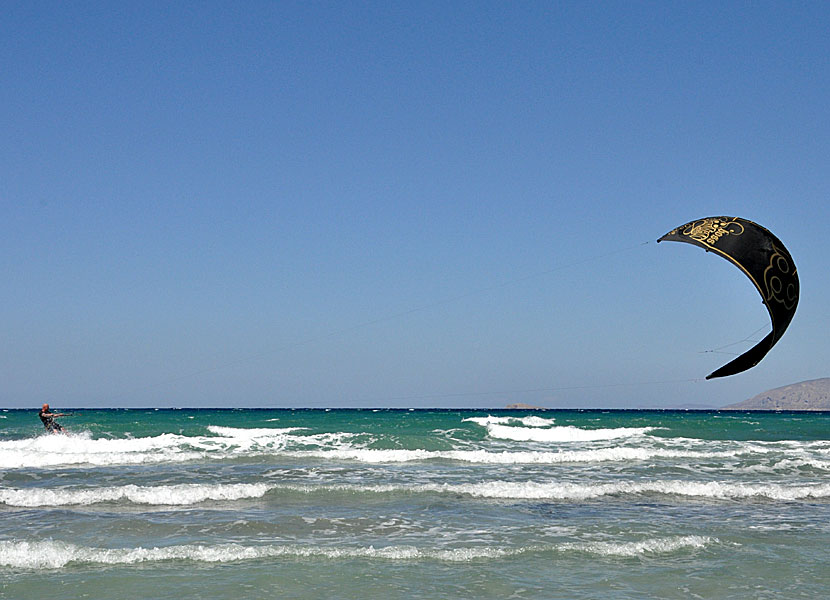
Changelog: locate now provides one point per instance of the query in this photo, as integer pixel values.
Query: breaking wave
(530, 421)
(537, 429)
(614, 454)
(51, 554)
(643, 547)
(226, 442)
(625, 444)
(172, 495)
(683, 489)
(531, 490)
(189, 494)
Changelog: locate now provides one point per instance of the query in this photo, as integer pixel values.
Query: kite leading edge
(764, 259)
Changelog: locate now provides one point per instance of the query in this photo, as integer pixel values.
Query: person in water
(48, 419)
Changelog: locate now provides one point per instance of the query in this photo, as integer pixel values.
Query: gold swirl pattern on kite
(779, 280)
(708, 231)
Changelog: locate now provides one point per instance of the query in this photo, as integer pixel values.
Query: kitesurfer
(48, 419)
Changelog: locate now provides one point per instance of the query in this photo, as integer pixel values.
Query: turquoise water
(415, 504)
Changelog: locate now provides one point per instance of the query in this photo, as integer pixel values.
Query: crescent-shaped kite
(764, 259)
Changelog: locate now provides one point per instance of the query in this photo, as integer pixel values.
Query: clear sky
(403, 203)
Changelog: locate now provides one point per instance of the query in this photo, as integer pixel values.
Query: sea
(365, 504)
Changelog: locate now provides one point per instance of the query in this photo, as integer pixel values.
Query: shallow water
(427, 504)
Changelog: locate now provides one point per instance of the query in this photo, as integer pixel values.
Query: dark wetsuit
(49, 422)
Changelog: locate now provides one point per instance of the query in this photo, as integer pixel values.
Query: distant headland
(805, 395)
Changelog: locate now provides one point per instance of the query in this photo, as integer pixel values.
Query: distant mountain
(806, 395)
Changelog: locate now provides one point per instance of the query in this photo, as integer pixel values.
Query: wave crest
(49, 554)
(172, 495)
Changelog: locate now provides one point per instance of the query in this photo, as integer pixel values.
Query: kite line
(391, 317)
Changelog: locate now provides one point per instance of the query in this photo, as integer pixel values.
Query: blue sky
(403, 204)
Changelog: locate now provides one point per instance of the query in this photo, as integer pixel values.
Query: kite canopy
(764, 259)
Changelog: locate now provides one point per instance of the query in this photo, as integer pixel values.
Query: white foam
(52, 554)
(529, 421)
(488, 420)
(174, 495)
(614, 454)
(579, 491)
(736, 491)
(569, 491)
(225, 442)
(268, 440)
(596, 446)
(252, 433)
(534, 421)
(252, 439)
(563, 434)
(57, 554)
(72, 451)
(538, 429)
(78, 449)
(644, 547)
(370, 455)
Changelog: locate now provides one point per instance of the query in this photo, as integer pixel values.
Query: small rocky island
(805, 395)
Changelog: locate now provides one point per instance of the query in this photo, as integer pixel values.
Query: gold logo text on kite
(709, 231)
